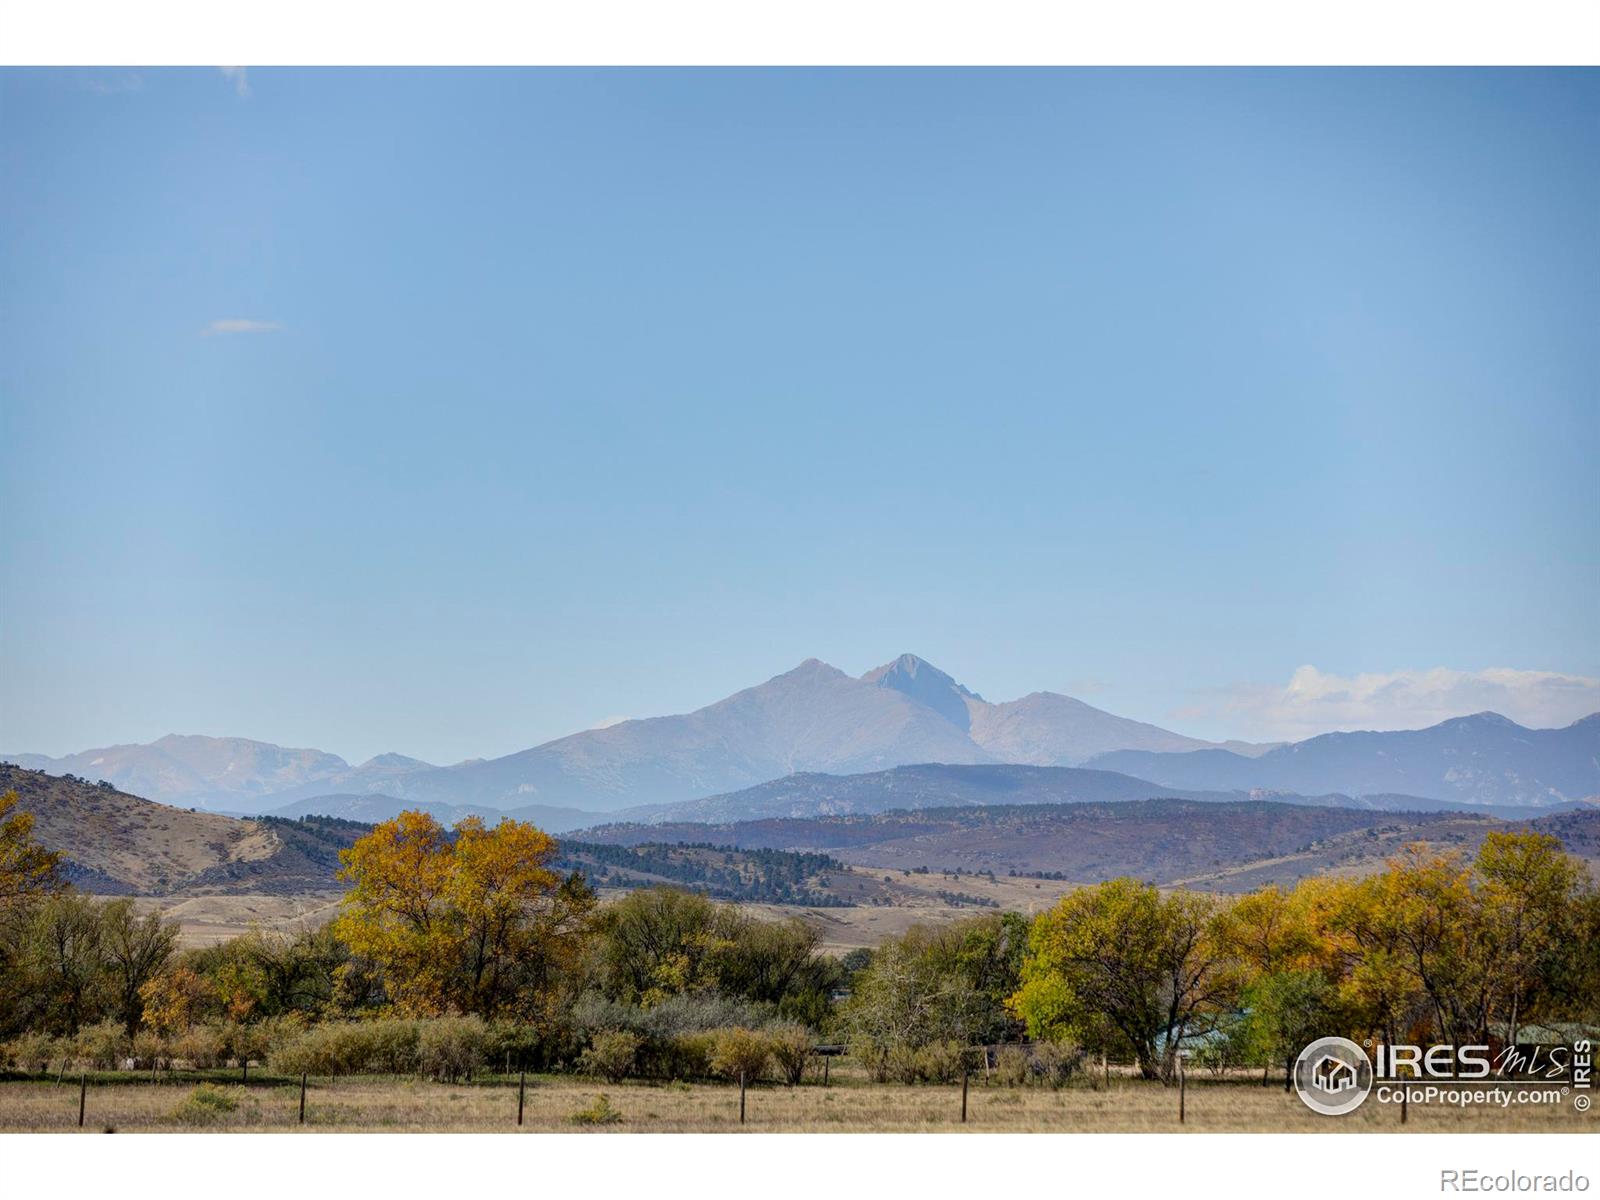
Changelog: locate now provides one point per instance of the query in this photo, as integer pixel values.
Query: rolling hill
(120, 844)
(1229, 846)
(372, 808)
(936, 785)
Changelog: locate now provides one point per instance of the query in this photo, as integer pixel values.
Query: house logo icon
(1333, 1076)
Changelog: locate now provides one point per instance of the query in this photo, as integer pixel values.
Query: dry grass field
(849, 1105)
(916, 903)
(205, 919)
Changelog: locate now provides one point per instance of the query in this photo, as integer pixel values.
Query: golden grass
(850, 1105)
(207, 918)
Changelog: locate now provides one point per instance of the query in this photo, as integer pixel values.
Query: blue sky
(448, 411)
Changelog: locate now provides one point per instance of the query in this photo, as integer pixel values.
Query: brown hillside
(116, 843)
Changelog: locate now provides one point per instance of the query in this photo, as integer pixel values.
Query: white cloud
(239, 77)
(608, 722)
(240, 325)
(1315, 702)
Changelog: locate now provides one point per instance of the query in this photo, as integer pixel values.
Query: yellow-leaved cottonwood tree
(476, 922)
(27, 870)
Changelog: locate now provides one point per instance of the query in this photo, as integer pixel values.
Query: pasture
(216, 1101)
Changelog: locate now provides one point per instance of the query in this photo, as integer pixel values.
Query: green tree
(61, 969)
(909, 996)
(136, 949)
(1528, 888)
(659, 942)
(1285, 1011)
(1119, 958)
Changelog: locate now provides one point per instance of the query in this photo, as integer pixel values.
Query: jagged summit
(926, 684)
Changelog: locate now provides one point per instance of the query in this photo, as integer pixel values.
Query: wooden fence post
(83, 1096)
(826, 1059)
(1105, 1068)
(302, 1097)
(741, 1097)
(963, 1096)
(1182, 1080)
(1405, 1093)
(1288, 1074)
(522, 1088)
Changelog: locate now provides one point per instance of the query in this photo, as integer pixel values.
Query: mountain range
(813, 718)
(219, 772)
(1481, 759)
(816, 719)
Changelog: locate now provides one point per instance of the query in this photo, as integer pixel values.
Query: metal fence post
(83, 1096)
(741, 1097)
(522, 1088)
(964, 1096)
(302, 1097)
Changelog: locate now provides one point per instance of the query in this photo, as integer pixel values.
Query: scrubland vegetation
(461, 960)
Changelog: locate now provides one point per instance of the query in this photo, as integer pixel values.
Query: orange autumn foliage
(471, 923)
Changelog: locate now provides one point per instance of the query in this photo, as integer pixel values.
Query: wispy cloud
(608, 722)
(114, 85)
(1315, 702)
(240, 325)
(240, 78)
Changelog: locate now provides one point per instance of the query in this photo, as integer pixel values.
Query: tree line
(755, 876)
(455, 951)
